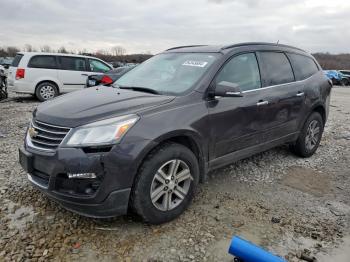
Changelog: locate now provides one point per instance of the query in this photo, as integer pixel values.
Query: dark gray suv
(145, 143)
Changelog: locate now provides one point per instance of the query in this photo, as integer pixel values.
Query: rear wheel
(310, 136)
(165, 184)
(344, 82)
(46, 91)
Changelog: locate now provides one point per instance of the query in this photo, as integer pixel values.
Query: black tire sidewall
(300, 144)
(37, 90)
(141, 200)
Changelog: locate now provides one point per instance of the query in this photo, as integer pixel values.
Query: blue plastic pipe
(248, 252)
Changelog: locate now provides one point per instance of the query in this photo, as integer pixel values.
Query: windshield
(172, 73)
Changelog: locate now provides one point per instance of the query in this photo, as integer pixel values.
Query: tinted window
(242, 70)
(41, 61)
(276, 67)
(72, 63)
(98, 66)
(303, 66)
(16, 60)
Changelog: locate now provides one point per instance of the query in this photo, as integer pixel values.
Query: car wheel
(165, 184)
(46, 91)
(310, 136)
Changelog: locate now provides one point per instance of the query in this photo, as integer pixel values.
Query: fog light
(82, 175)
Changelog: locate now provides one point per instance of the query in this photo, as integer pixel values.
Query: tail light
(106, 80)
(20, 73)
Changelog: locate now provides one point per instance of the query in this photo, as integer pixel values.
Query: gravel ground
(290, 206)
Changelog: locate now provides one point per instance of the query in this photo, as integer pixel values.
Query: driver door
(235, 122)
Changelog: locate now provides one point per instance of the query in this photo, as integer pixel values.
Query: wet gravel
(289, 205)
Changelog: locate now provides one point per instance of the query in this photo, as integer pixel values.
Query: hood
(92, 104)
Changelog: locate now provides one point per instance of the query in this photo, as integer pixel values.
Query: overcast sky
(154, 25)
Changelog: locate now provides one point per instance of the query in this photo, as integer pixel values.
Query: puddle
(20, 216)
(340, 254)
(307, 180)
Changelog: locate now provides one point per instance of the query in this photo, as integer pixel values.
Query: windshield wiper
(141, 89)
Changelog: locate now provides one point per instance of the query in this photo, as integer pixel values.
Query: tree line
(118, 53)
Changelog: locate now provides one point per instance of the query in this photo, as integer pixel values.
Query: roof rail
(184, 46)
(259, 43)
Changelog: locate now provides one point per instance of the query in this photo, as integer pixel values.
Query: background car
(3, 83)
(6, 61)
(107, 78)
(346, 73)
(46, 75)
(337, 77)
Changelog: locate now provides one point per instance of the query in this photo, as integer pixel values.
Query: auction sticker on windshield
(195, 63)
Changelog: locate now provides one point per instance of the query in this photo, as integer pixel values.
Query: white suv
(46, 75)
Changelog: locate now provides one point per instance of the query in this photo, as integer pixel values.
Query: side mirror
(227, 89)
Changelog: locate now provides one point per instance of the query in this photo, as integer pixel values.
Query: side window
(98, 66)
(242, 70)
(303, 66)
(276, 68)
(41, 61)
(72, 63)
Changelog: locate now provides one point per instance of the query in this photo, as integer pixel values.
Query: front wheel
(165, 184)
(310, 136)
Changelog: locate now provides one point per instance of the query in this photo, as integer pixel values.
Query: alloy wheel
(170, 185)
(47, 92)
(312, 135)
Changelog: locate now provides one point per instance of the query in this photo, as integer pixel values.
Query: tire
(147, 183)
(46, 91)
(308, 141)
(344, 82)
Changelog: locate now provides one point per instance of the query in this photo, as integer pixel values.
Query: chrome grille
(47, 137)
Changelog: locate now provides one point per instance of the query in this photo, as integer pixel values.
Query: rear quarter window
(303, 66)
(16, 60)
(43, 61)
(276, 68)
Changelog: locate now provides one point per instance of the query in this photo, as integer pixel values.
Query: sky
(143, 26)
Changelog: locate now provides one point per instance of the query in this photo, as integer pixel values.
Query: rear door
(72, 72)
(284, 96)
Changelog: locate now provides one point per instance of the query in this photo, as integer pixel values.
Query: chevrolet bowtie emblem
(32, 132)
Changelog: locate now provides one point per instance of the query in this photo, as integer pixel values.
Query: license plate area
(92, 82)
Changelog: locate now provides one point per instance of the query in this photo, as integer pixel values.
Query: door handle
(300, 94)
(262, 103)
(84, 74)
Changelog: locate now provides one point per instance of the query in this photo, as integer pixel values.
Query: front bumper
(108, 196)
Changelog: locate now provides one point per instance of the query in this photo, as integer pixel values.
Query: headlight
(105, 132)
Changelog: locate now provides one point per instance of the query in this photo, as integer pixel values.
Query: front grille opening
(41, 178)
(77, 186)
(46, 136)
(91, 150)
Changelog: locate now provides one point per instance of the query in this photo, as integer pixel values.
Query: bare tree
(63, 50)
(102, 52)
(12, 51)
(118, 50)
(28, 48)
(46, 49)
